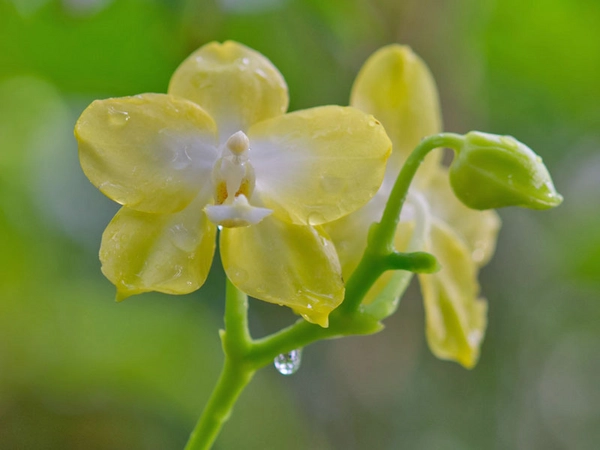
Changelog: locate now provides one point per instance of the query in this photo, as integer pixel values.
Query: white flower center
(233, 181)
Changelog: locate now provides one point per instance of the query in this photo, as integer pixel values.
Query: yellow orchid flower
(396, 87)
(218, 150)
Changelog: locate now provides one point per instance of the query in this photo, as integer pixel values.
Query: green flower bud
(491, 171)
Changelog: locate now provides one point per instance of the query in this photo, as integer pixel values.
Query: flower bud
(491, 171)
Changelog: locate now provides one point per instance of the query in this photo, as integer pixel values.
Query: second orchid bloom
(219, 150)
(397, 88)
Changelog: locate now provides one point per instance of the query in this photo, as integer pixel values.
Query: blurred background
(78, 371)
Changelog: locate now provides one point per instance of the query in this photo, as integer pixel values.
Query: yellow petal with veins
(317, 165)
(235, 84)
(477, 229)
(170, 253)
(291, 265)
(151, 152)
(455, 316)
(396, 87)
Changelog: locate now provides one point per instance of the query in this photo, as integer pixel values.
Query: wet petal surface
(235, 84)
(169, 253)
(291, 265)
(396, 87)
(317, 165)
(151, 152)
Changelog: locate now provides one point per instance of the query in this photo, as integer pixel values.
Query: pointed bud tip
(548, 202)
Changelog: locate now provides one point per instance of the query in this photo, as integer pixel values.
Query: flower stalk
(244, 356)
(380, 253)
(235, 375)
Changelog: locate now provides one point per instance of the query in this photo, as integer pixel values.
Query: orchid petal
(455, 316)
(291, 265)
(317, 165)
(170, 253)
(396, 87)
(151, 152)
(235, 84)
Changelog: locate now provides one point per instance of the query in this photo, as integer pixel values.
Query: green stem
(302, 333)
(293, 337)
(232, 381)
(236, 373)
(244, 356)
(381, 235)
(417, 262)
(236, 337)
(384, 232)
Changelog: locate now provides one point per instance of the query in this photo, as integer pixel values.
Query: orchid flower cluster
(320, 210)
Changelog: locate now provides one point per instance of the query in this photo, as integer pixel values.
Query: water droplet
(288, 363)
(220, 227)
(261, 73)
(118, 118)
(181, 158)
(373, 122)
(243, 63)
(182, 238)
(177, 272)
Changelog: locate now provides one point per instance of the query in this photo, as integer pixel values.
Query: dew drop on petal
(181, 158)
(118, 118)
(288, 363)
(261, 73)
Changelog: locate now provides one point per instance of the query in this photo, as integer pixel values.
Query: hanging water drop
(288, 363)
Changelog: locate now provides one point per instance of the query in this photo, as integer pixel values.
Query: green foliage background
(78, 371)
